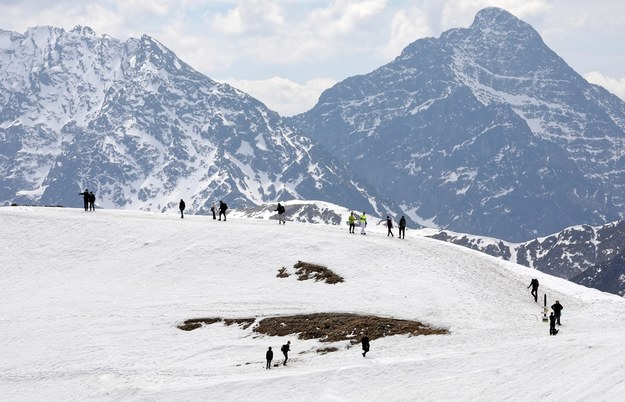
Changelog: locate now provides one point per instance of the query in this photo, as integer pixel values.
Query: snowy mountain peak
(143, 129)
(498, 20)
(83, 31)
(487, 131)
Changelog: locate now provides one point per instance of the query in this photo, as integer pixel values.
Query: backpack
(225, 206)
(284, 348)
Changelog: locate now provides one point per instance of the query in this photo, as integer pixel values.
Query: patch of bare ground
(195, 323)
(333, 327)
(282, 273)
(324, 351)
(306, 270)
(241, 322)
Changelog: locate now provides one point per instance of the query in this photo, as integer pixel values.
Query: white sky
(286, 52)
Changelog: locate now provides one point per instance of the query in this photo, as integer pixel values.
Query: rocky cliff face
(135, 124)
(484, 130)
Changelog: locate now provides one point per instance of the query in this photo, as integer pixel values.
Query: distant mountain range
(484, 130)
(141, 128)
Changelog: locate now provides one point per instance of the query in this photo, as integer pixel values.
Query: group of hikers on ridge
(222, 209)
(555, 315)
(351, 220)
(89, 200)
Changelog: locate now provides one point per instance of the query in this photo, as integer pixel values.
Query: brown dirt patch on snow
(332, 327)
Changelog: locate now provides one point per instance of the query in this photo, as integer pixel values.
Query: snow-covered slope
(589, 255)
(484, 130)
(90, 304)
(141, 128)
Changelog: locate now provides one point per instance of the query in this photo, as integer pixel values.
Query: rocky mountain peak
(494, 19)
(486, 131)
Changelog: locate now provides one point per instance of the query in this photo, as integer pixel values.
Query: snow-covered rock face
(142, 129)
(484, 130)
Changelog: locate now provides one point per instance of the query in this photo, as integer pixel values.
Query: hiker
(389, 225)
(91, 201)
(222, 209)
(365, 345)
(534, 286)
(557, 309)
(269, 356)
(85, 197)
(363, 223)
(280, 210)
(214, 210)
(552, 324)
(182, 207)
(352, 222)
(285, 351)
(402, 228)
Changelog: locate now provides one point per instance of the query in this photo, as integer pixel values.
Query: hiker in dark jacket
(85, 197)
(182, 207)
(365, 345)
(222, 209)
(91, 201)
(280, 210)
(557, 310)
(389, 225)
(285, 351)
(269, 357)
(534, 286)
(402, 228)
(552, 324)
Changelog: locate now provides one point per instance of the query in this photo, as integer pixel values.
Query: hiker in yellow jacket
(363, 223)
(351, 220)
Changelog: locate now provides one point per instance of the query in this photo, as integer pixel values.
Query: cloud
(406, 27)
(283, 95)
(614, 85)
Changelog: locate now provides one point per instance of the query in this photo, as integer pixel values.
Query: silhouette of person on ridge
(181, 206)
(85, 196)
(222, 209)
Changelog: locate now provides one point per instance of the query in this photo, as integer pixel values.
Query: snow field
(90, 304)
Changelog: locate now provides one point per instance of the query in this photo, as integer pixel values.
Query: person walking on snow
(552, 324)
(365, 345)
(285, 351)
(557, 310)
(402, 228)
(389, 225)
(352, 222)
(269, 357)
(280, 210)
(214, 210)
(534, 285)
(363, 223)
(222, 209)
(85, 197)
(181, 206)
